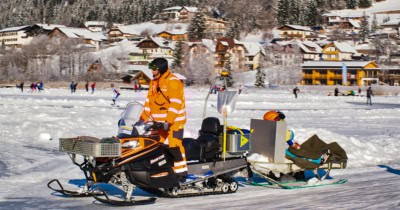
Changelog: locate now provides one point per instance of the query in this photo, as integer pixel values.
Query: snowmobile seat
(210, 125)
(206, 146)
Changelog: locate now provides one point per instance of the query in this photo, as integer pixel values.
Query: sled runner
(136, 158)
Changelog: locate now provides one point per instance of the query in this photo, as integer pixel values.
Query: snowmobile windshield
(131, 115)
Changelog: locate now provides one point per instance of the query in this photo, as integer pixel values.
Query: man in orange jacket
(165, 103)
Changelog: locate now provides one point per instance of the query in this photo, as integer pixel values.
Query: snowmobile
(135, 158)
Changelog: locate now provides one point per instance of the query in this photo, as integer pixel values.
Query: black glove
(139, 123)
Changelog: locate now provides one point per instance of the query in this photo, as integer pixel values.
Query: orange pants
(174, 138)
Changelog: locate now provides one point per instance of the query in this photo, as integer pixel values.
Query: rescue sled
(284, 168)
(136, 158)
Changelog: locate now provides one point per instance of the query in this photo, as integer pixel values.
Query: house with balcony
(14, 37)
(358, 73)
(338, 51)
(220, 50)
(216, 28)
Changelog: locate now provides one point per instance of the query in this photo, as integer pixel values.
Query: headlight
(130, 144)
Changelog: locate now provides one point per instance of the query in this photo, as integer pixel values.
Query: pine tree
(351, 4)
(178, 54)
(283, 12)
(364, 3)
(197, 27)
(228, 68)
(374, 24)
(260, 78)
(233, 31)
(311, 14)
(294, 11)
(364, 28)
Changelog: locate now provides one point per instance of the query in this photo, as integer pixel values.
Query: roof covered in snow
(152, 28)
(16, 28)
(344, 47)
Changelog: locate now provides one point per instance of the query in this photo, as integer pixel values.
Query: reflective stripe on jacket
(165, 100)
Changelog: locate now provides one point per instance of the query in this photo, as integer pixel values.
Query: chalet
(14, 37)
(154, 47)
(174, 35)
(216, 28)
(141, 74)
(346, 20)
(295, 32)
(310, 50)
(254, 54)
(359, 73)
(392, 26)
(145, 29)
(338, 51)
(178, 13)
(391, 76)
(96, 26)
(40, 28)
(88, 38)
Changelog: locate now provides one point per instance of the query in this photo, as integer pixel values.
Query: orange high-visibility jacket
(165, 100)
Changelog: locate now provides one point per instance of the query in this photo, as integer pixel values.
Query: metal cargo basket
(233, 142)
(91, 146)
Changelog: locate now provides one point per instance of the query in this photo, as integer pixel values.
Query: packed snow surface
(32, 123)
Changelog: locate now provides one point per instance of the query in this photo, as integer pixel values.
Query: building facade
(358, 73)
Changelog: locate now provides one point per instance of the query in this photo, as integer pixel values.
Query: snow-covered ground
(32, 123)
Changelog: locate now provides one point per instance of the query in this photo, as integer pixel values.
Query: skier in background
(116, 94)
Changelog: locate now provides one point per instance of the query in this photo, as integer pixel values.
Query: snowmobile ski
(69, 193)
(128, 202)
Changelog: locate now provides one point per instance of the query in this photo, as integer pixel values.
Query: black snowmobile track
(163, 193)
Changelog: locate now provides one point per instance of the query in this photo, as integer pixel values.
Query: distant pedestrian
(40, 86)
(21, 85)
(215, 89)
(369, 95)
(140, 87)
(75, 86)
(71, 86)
(116, 94)
(32, 87)
(295, 91)
(359, 91)
(336, 91)
(135, 87)
(93, 86)
(240, 88)
(87, 86)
